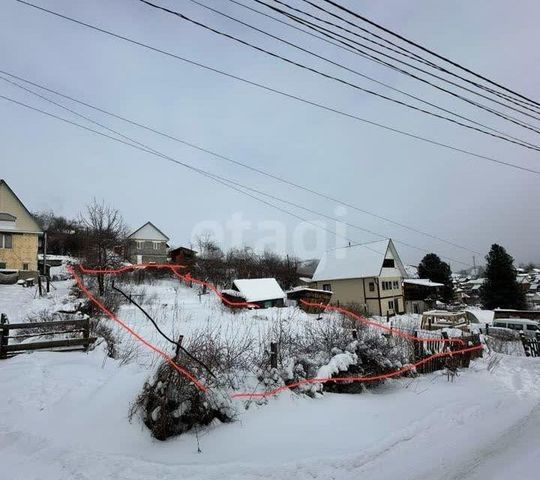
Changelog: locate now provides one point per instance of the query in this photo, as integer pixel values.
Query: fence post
(86, 334)
(40, 286)
(355, 334)
(487, 328)
(273, 355)
(48, 283)
(4, 332)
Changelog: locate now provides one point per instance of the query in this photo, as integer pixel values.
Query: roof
(356, 261)
(259, 289)
(34, 226)
(182, 249)
(142, 233)
(424, 282)
(308, 289)
(412, 271)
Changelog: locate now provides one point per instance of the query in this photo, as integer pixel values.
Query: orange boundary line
(280, 389)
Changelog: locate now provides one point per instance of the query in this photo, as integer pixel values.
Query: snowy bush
(327, 349)
(170, 404)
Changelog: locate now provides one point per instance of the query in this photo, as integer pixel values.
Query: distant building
(182, 256)
(19, 235)
(147, 244)
(420, 294)
(369, 275)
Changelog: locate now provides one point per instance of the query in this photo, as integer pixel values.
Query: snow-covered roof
(424, 282)
(259, 289)
(308, 289)
(412, 271)
(356, 261)
(148, 232)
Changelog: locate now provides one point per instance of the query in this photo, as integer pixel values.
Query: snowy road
(64, 416)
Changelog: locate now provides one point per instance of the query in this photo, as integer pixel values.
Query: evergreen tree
(501, 290)
(436, 270)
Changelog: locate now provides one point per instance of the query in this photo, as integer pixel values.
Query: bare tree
(104, 230)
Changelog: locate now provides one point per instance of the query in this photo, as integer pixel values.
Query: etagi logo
(307, 239)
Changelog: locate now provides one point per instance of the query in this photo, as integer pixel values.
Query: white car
(529, 327)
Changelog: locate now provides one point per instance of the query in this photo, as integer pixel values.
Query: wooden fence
(432, 347)
(11, 344)
(531, 345)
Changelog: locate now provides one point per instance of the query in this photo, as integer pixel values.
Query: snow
(356, 261)
(258, 289)
(308, 289)
(64, 415)
(71, 411)
(18, 302)
(424, 282)
(483, 316)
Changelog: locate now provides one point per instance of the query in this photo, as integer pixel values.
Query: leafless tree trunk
(105, 230)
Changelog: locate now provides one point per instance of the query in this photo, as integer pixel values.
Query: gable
(148, 232)
(398, 269)
(15, 217)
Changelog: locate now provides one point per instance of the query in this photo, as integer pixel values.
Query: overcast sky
(52, 165)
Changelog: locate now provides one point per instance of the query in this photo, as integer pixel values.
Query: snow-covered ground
(64, 415)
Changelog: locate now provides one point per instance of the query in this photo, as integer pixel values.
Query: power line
(214, 154)
(337, 79)
(418, 58)
(356, 72)
(344, 40)
(284, 94)
(222, 180)
(343, 45)
(441, 57)
(145, 147)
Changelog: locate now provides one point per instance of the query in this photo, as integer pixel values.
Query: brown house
(19, 236)
(182, 256)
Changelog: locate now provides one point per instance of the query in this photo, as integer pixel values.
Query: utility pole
(45, 253)
(474, 264)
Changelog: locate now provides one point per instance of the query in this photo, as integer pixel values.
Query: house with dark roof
(147, 244)
(368, 274)
(19, 236)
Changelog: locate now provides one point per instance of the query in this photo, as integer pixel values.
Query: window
(6, 240)
(532, 327)
(388, 263)
(391, 305)
(155, 245)
(327, 287)
(387, 285)
(371, 286)
(2, 265)
(139, 244)
(395, 284)
(25, 266)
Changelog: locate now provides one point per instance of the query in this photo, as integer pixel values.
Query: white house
(369, 274)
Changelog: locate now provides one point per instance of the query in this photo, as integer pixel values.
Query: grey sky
(472, 202)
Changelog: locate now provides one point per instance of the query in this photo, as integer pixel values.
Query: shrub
(170, 404)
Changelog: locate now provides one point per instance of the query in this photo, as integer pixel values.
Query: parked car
(529, 327)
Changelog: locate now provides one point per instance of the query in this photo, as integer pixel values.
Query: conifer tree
(500, 289)
(436, 270)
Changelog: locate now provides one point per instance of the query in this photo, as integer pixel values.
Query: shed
(263, 292)
(310, 295)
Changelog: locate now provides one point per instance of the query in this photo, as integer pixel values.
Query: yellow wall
(352, 291)
(25, 248)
